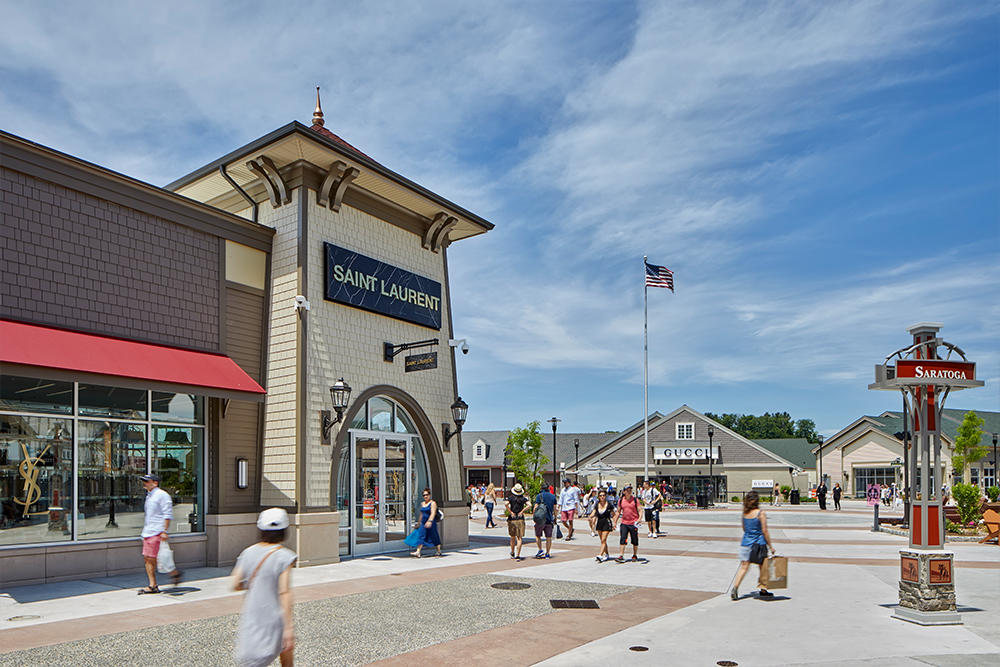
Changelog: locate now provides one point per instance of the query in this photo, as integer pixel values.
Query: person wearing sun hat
(517, 505)
(264, 571)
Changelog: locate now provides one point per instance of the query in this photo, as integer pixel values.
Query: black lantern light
(340, 396)
(459, 410)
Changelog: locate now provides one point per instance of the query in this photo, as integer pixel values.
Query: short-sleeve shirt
(649, 496)
(629, 510)
(549, 500)
(158, 508)
(517, 503)
(569, 497)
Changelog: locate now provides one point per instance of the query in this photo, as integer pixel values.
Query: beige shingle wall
(347, 342)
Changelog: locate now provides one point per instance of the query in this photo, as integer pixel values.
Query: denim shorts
(744, 552)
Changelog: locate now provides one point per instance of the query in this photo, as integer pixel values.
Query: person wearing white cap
(264, 571)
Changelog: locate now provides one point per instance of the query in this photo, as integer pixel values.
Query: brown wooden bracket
(433, 228)
(441, 237)
(276, 188)
(331, 193)
(225, 407)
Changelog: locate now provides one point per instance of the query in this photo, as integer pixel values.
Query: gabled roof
(796, 450)
(890, 422)
(496, 442)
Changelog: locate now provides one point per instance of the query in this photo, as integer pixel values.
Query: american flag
(659, 276)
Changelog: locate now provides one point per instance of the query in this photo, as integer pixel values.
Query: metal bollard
(876, 528)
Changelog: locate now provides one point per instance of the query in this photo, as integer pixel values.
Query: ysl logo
(29, 471)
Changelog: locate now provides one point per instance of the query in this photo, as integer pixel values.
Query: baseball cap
(150, 478)
(273, 519)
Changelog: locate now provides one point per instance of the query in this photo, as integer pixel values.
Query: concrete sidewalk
(837, 609)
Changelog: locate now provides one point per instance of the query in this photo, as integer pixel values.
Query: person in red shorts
(569, 497)
(628, 518)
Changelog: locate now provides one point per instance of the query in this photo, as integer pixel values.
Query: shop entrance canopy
(25, 348)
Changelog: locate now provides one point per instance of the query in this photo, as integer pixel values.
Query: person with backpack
(627, 515)
(428, 531)
(545, 519)
(652, 503)
(604, 522)
(264, 571)
(517, 505)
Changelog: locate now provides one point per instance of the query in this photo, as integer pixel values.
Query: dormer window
(479, 451)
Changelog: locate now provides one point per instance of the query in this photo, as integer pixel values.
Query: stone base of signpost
(927, 588)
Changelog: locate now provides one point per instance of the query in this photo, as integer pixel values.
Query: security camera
(301, 303)
(460, 344)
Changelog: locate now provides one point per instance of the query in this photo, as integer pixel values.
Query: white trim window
(479, 451)
(684, 430)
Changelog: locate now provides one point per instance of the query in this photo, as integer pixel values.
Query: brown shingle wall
(71, 260)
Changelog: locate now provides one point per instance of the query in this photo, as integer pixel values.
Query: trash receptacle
(793, 497)
(701, 499)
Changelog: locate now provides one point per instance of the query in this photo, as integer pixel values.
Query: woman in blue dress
(428, 531)
(754, 533)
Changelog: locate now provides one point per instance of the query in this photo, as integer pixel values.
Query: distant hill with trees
(768, 425)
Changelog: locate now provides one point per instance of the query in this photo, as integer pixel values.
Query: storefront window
(381, 414)
(21, 394)
(112, 459)
(178, 408)
(177, 457)
(113, 450)
(403, 422)
(36, 479)
(100, 401)
(360, 420)
(865, 476)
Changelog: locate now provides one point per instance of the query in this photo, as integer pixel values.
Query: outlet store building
(147, 329)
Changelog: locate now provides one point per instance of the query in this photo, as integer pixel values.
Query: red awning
(34, 345)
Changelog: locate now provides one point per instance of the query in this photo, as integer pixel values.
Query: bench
(992, 520)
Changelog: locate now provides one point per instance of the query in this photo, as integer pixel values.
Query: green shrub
(807, 499)
(735, 499)
(785, 490)
(993, 493)
(952, 527)
(968, 500)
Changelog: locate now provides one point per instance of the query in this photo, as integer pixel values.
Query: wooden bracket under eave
(331, 192)
(441, 237)
(276, 188)
(432, 229)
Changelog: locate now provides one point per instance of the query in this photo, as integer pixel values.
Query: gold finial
(318, 113)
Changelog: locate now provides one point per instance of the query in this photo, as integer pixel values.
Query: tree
(768, 425)
(525, 458)
(967, 447)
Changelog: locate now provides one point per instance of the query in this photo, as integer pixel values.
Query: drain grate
(24, 617)
(638, 648)
(727, 663)
(574, 604)
(511, 586)
(382, 558)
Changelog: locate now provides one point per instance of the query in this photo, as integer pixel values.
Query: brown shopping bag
(774, 572)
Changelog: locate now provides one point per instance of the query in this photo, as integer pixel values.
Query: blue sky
(819, 176)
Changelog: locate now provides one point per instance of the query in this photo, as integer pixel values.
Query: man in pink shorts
(568, 499)
(159, 510)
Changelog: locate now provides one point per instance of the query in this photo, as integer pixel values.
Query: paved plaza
(393, 609)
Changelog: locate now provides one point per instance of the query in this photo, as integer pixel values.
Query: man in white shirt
(651, 497)
(159, 511)
(569, 497)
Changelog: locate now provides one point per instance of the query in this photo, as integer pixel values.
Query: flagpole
(645, 373)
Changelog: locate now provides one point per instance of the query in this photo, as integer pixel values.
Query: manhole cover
(25, 617)
(395, 574)
(574, 604)
(381, 558)
(638, 648)
(727, 663)
(511, 586)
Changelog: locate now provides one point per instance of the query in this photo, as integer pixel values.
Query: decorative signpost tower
(925, 378)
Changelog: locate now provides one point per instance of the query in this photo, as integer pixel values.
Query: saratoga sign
(363, 282)
(682, 453)
(933, 369)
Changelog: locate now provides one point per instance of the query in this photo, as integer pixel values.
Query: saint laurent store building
(359, 297)
(195, 331)
(132, 339)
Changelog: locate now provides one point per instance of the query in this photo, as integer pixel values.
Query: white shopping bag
(165, 559)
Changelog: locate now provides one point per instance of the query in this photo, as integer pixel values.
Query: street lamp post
(555, 465)
(820, 440)
(503, 484)
(576, 446)
(996, 477)
(711, 480)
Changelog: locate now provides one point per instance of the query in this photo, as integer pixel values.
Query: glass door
(381, 495)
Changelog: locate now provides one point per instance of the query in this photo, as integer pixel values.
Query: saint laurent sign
(363, 282)
(421, 362)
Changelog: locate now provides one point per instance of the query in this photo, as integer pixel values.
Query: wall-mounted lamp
(242, 473)
(459, 410)
(340, 395)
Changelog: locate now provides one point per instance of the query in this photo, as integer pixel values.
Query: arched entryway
(380, 467)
